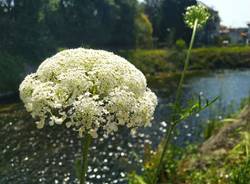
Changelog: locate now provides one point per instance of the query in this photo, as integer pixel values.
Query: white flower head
(196, 12)
(90, 91)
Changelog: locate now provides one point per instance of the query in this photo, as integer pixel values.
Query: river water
(31, 156)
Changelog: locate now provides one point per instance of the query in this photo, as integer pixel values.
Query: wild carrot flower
(196, 12)
(90, 91)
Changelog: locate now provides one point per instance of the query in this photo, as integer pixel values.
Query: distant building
(248, 35)
(235, 35)
(215, 33)
(238, 35)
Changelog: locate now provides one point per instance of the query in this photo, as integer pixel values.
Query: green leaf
(136, 179)
(193, 107)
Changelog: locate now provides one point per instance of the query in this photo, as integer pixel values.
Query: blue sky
(234, 13)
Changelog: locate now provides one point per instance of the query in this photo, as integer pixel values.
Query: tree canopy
(36, 28)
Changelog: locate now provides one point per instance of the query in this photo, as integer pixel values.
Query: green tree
(95, 23)
(124, 27)
(144, 32)
(153, 11)
(23, 30)
(172, 25)
(83, 22)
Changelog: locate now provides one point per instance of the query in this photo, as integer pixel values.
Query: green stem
(165, 147)
(84, 164)
(186, 63)
(172, 125)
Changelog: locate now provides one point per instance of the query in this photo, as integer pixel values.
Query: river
(33, 156)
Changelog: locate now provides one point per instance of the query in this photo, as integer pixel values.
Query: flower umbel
(196, 12)
(90, 91)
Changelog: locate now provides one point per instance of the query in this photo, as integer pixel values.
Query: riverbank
(210, 58)
(223, 158)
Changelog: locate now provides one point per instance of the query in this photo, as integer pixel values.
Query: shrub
(144, 30)
(180, 44)
(149, 61)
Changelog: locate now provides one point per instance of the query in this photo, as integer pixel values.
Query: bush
(180, 44)
(220, 58)
(144, 31)
(149, 61)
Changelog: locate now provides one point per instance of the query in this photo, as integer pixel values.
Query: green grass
(188, 166)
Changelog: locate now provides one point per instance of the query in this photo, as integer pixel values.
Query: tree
(36, 28)
(153, 11)
(124, 26)
(83, 22)
(23, 31)
(95, 23)
(144, 32)
(171, 23)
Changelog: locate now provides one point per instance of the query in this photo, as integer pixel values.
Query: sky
(233, 13)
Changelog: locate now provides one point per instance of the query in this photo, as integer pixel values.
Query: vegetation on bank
(220, 58)
(223, 158)
(170, 60)
(149, 61)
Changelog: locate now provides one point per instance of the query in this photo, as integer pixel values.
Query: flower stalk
(175, 121)
(186, 63)
(84, 162)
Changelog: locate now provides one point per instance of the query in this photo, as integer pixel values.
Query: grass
(224, 160)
